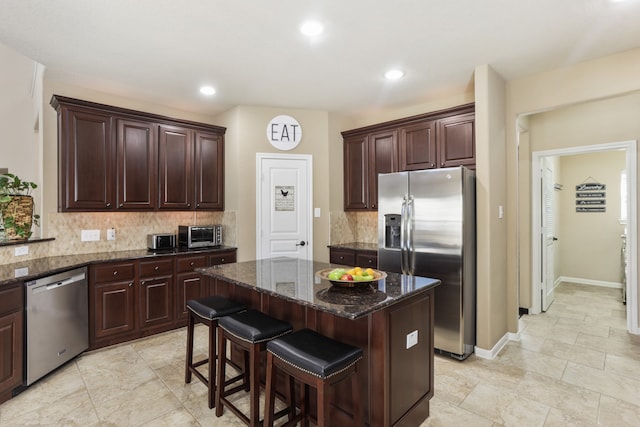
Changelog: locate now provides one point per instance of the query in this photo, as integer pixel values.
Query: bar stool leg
(222, 343)
(254, 389)
(213, 325)
(270, 391)
(304, 405)
(189, 361)
(324, 399)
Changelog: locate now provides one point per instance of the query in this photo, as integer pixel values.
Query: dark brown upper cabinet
(85, 160)
(176, 168)
(443, 138)
(136, 165)
(112, 158)
(209, 171)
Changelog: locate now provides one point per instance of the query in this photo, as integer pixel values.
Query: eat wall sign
(284, 132)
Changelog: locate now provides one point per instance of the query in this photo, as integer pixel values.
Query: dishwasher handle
(50, 286)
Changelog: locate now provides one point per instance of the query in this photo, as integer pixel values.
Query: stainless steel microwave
(199, 236)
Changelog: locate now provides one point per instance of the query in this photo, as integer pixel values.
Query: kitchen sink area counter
(391, 320)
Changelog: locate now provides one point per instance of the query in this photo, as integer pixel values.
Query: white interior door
(547, 234)
(283, 212)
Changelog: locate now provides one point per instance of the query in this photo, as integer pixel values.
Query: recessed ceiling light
(393, 74)
(207, 90)
(311, 28)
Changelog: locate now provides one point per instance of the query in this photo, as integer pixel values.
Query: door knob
(302, 243)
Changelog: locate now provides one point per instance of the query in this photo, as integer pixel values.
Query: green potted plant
(16, 207)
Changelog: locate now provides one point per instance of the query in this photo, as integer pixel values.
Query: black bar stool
(250, 331)
(207, 311)
(317, 361)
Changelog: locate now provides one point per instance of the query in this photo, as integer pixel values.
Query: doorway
(284, 187)
(539, 159)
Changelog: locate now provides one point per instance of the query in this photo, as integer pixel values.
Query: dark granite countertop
(358, 246)
(295, 280)
(35, 268)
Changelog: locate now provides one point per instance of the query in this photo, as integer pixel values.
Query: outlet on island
(111, 234)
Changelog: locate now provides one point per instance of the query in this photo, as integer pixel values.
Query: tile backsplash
(131, 231)
(349, 227)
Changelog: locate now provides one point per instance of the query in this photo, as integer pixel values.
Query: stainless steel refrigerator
(426, 227)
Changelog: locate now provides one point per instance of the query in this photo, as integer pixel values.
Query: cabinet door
(383, 158)
(418, 146)
(209, 171)
(456, 141)
(175, 168)
(137, 169)
(11, 329)
(189, 286)
(155, 302)
(356, 173)
(86, 161)
(114, 305)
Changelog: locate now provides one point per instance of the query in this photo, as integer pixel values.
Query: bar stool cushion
(314, 353)
(213, 307)
(254, 327)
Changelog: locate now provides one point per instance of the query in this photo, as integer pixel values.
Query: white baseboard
(491, 354)
(581, 281)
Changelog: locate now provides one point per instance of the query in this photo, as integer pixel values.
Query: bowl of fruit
(350, 277)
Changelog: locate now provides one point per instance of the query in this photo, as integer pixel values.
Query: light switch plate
(316, 212)
(111, 234)
(412, 339)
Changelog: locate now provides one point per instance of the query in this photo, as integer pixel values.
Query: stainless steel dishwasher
(57, 321)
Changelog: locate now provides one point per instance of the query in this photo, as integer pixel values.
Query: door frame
(630, 148)
(308, 158)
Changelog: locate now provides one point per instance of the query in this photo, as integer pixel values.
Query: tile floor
(574, 366)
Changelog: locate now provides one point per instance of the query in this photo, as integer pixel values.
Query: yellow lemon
(369, 271)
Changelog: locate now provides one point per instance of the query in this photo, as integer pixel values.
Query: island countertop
(296, 280)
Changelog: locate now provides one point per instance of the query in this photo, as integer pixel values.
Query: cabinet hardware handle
(442, 164)
(222, 260)
(115, 273)
(143, 282)
(197, 205)
(432, 165)
(188, 205)
(130, 284)
(191, 263)
(121, 204)
(108, 204)
(156, 268)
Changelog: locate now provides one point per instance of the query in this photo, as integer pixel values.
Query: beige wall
(249, 138)
(580, 94)
(589, 243)
(20, 146)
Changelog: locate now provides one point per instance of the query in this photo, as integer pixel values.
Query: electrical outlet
(21, 272)
(90, 235)
(21, 250)
(111, 234)
(412, 339)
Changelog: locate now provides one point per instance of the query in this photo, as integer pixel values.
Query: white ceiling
(253, 53)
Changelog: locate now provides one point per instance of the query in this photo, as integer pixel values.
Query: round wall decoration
(284, 132)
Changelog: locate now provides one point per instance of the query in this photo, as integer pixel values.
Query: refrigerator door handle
(410, 243)
(403, 236)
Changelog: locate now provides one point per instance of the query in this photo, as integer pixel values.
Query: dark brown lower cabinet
(396, 382)
(353, 257)
(140, 297)
(11, 339)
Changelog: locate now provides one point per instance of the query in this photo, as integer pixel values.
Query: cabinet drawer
(367, 260)
(114, 271)
(222, 258)
(344, 257)
(11, 300)
(157, 267)
(190, 263)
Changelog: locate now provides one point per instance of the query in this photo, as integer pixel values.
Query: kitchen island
(391, 320)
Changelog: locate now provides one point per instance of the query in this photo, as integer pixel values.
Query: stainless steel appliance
(161, 241)
(57, 321)
(199, 236)
(426, 227)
